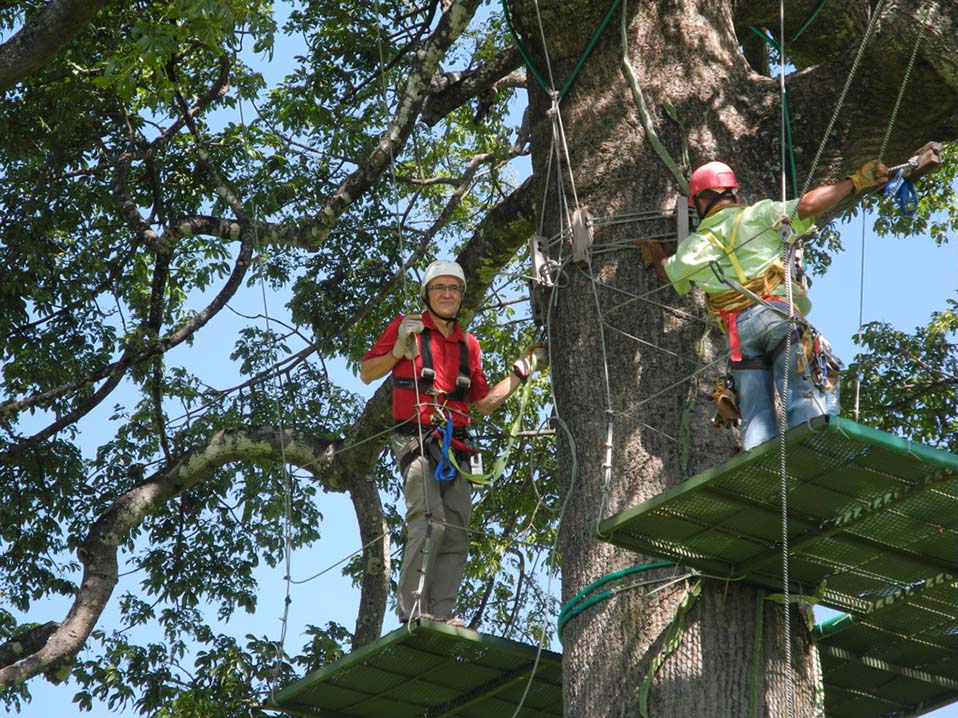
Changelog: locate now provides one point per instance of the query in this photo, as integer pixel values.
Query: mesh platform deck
(872, 518)
(898, 660)
(431, 669)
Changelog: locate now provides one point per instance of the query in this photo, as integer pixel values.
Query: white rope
(861, 310)
(287, 473)
(783, 417)
(861, 288)
(901, 93)
(392, 160)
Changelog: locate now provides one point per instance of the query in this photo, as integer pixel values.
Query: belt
(411, 429)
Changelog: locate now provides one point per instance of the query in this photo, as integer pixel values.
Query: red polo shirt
(445, 357)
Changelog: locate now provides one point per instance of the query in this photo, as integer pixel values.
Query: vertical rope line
(781, 85)
(287, 474)
(554, 110)
(872, 21)
(392, 160)
(545, 195)
(861, 288)
(861, 319)
(783, 490)
(287, 506)
(607, 445)
(565, 150)
(417, 606)
(545, 49)
(427, 546)
(783, 415)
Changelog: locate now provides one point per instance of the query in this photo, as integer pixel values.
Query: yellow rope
(732, 300)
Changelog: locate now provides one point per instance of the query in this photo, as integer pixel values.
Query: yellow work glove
(869, 174)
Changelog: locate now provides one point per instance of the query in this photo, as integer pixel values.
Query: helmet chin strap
(447, 320)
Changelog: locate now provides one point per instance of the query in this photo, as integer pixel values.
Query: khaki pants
(450, 504)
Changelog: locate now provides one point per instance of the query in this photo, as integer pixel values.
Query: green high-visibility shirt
(756, 247)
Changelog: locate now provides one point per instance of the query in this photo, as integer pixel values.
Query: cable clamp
(786, 233)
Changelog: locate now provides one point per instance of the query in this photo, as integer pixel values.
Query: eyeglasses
(440, 288)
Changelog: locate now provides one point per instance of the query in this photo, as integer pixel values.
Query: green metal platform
(432, 669)
(872, 520)
(898, 659)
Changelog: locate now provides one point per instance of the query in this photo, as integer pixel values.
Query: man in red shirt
(436, 376)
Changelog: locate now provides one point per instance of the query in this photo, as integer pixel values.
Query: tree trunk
(621, 368)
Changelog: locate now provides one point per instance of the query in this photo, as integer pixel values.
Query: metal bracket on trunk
(581, 237)
(681, 217)
(541, 280)
(928, 160)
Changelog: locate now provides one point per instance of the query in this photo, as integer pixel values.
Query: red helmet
(711, 175)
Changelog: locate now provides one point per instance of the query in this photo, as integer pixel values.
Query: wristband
(523, 379)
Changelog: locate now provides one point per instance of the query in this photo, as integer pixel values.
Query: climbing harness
(729, 248)
(427, 374)
(475, 474)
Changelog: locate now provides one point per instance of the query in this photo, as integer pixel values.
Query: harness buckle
(463, 382)
(428, 374)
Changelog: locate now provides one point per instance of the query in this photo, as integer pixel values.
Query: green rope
(578, 66)
(573, 608)
(673, 639)
(588, 49)
(643, 111)
(522, 51)
(788, 118)
(808, 20)
(771, 41)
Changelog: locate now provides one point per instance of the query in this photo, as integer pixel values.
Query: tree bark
(43, 36)
(641, 396)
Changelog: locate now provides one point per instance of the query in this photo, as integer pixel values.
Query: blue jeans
(760, 330)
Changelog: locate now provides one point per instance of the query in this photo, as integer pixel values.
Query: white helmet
(442, 268)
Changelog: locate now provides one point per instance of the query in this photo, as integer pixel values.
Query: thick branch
(863, 120)
(43, 36)
(99, 551)
(26, 642)
(453, 89)
(453, 21)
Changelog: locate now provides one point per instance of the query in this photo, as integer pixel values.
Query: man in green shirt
(742, 244)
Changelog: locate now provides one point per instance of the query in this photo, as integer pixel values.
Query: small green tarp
(873, 529)
(431, 669)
